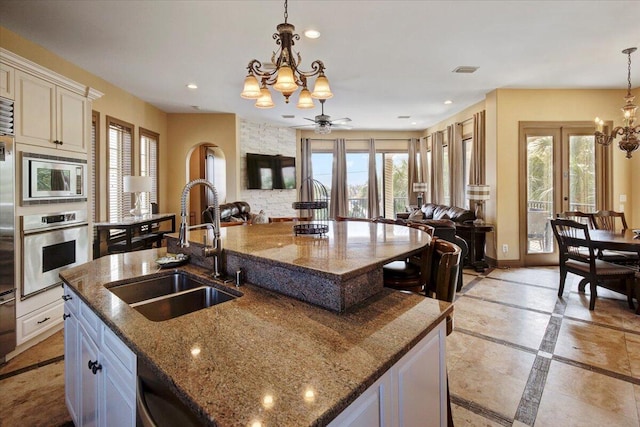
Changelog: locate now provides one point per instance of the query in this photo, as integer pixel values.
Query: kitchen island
(265, 359)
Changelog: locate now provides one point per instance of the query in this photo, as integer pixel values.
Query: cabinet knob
(66, 297)
(65, 315)
(96, 368)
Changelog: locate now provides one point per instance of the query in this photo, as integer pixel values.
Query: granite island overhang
(262, 343)
(334, 271)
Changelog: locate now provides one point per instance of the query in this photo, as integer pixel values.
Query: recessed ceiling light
(465, 69)
(448, 101)
(192, 86)
(312, 34)
(414, 123)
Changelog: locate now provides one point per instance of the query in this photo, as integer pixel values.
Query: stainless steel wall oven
(51, 243)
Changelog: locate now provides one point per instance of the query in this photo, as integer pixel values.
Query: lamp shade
(137, 184)
(420, 186)
(478, 192)
(321, 90)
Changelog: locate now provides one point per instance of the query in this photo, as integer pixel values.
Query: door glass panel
(539, 194)
(582, 173)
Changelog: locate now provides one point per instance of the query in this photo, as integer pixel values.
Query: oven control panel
(42, 222)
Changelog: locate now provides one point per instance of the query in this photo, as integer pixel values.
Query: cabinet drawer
(116, 350)
(90, 322)
(38, 321)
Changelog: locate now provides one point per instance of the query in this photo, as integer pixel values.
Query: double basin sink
(166, 297)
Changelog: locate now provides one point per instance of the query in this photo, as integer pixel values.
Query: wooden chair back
(581, 217)
(573, 241)
(607, 220)
(424, 227)
(443, 270)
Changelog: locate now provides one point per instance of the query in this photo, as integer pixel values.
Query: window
(95, 173)
(467, 152)
(119, 164)
(392, 171)
(446, 176)
(149, 166)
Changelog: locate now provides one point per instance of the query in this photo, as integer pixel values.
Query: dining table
(627, 240)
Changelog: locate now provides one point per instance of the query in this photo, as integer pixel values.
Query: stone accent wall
(261, 138)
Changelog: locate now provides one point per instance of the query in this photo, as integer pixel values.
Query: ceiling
(384, 59)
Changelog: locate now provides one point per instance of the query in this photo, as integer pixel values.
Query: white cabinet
(48, 115)
(412, 393)
(7, 75)
(100, 370)
(38, 321)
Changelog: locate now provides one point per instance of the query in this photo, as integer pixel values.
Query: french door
(562, 169)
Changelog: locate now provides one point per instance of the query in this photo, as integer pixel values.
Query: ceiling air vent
(404, 117)
(288, 116)
(465, 69)
(6, 117)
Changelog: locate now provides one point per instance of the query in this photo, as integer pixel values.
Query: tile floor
(518, 356)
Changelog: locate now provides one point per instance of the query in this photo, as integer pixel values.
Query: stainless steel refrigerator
(7, 249)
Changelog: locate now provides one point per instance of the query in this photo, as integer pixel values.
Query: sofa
(229, 212)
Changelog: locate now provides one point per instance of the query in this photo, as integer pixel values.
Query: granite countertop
(262, 357)
(348, 247)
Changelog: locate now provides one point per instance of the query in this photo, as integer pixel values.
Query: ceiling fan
(323, 123)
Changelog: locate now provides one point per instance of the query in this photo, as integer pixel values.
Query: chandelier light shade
(286, 78)
(629, 141)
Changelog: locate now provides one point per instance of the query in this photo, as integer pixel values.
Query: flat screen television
(265, 172)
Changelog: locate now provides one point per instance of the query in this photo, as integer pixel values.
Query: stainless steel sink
(170, 296)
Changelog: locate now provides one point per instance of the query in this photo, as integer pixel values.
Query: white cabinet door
(7, 75)
(371, 409)
(71, 364)
(35, 110)
(88, 380)
(421, 383)
(118, 396)
(72, 120)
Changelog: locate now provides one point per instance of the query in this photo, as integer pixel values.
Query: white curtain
(413, 170)
(437, 192)
(339, 197)
(424, 168)
(373, 199)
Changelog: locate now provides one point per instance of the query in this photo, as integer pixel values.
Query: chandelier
(285, 77)
(629, 141)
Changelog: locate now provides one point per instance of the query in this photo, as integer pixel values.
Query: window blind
(119, 165)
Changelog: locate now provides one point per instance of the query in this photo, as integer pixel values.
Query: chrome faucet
(215, 250)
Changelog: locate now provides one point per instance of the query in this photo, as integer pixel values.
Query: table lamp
(478, 193)
(137, 185)
(420, 187)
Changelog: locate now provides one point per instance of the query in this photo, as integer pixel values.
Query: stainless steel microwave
(53, 179)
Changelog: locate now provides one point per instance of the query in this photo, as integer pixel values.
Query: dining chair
(578, 216)
(577, 256)
(608, 220)
(615, 222)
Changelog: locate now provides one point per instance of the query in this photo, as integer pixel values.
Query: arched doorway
(206, 161)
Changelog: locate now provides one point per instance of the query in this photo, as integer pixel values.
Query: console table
(475, 235)
(135, 233)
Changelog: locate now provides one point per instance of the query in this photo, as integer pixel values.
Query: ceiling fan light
(323, 128)
(264, 101)
(251, 88)
(285, 81)
(305, 101)
(321, 90)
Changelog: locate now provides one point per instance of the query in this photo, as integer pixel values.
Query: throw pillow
(261, 218)
(416, 215)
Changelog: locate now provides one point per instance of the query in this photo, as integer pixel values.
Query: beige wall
(185, 133)
(115, 102)
(513, 106)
